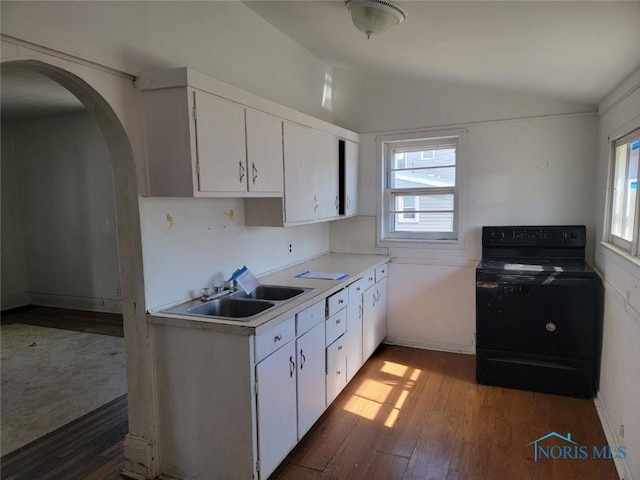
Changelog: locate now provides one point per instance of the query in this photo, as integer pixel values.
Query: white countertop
(354, 265)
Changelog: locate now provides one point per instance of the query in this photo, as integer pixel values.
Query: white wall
(15, 280)
(193, 243)
(67, 213)
(620, 373)
(540, 170)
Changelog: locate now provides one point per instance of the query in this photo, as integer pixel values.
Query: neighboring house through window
(624, 198)
(420, 189)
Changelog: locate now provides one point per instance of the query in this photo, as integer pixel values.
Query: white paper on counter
(322, 275)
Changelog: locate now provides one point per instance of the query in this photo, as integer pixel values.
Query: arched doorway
(98, 90)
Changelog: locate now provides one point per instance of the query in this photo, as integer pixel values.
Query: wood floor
(409, 414)
(75, 320)
(419, 415)
(89, 448)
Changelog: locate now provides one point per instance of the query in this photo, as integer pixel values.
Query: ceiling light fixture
(374, 17)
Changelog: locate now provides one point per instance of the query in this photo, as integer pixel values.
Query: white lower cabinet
(353, 336)
(276, 407)
(233, 405)
(311, 385)
(336, 368)
(374, 322)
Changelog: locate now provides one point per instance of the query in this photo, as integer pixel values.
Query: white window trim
(629, 248)
(419, 240)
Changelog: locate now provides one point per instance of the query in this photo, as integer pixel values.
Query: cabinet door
(221, 149)
(336, 368)
(300, 198)
(368, 322)
(380, 313)
(276, 405)
(264, 152)
(353, 338)
(311, 381)
(351, 178)
(326, 181)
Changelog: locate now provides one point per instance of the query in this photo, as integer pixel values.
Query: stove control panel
(535, 236)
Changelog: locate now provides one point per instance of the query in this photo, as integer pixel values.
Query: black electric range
(538, 311)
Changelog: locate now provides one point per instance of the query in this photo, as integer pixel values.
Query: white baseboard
(106, 305)
(441, 347)
(15, 300)
(137, 454)
(612, 438)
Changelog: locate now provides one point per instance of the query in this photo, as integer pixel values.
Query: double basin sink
(239, 305)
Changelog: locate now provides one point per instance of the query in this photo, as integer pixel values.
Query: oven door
(537, 314)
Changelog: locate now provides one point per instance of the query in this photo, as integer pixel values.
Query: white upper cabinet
(350, 181)
(205, 138)
(264, 152)
(310, 173)
(220, 144)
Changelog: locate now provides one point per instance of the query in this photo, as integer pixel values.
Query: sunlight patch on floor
(371, 395)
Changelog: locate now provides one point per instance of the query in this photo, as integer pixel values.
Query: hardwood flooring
(75, 320)
(419, 415)
(89, 448)
(409, 414)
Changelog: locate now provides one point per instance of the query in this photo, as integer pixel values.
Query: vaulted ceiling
(573, 50)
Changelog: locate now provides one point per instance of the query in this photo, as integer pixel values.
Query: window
(624, 199)
(420, 189)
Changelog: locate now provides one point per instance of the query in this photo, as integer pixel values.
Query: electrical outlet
(621, 431)
(290, 248)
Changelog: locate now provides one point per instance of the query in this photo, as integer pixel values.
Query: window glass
(624, 196)
(420, 189)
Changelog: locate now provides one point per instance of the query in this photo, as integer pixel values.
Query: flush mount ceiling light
(374, 17)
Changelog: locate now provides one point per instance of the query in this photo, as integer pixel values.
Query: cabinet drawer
(381, 272)
(369, 280)
(336, 325)
(309, 317)
(356, 289)
(336, 368)
(337, 301)
(274, 338)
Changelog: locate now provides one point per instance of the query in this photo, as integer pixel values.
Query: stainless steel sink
(239, 306)
(272, 292)
(231, 308)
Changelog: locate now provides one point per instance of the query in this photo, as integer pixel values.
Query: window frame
(386, 237)
(630, 247)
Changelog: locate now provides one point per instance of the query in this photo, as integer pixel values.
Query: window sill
(420, 243)
(620, 253)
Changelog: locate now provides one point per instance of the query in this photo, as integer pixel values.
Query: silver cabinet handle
(255, 172)
(338, 372)
(341, 301)
(315, 203)
(292, 366)
(241, 170)
(337, 202)
(303, 359)
(277, 338)
(338, 321)
(360, 308)
(348, 201)
(339, 347)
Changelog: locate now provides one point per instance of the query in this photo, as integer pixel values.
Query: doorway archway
(107, 97)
